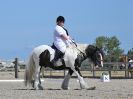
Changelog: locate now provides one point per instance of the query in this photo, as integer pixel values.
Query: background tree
(101, 42)
(110, 46)
(130, 53)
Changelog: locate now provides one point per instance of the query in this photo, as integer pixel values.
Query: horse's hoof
(32, 83)
(91, 88)
(66, 88)
(39, 87)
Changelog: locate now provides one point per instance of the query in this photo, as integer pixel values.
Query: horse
(43, 55)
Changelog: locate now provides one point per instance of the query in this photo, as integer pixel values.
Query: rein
(78, 48)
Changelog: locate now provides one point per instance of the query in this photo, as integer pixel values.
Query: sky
(26, 24)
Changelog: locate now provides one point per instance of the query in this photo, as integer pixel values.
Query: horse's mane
(90, 50)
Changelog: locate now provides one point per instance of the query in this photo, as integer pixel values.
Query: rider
(61, 38)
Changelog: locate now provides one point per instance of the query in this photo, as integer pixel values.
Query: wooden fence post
(110, 74)
(126, 72)
(93, 70)
(16, 67)
(64, 72)
(50, 73)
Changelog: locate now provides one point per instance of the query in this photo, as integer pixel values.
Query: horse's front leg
(66, 80)
(82, 83)
(37, 82)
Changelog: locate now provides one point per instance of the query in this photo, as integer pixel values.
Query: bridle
(84, 55)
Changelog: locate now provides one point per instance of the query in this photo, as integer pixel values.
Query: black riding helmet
(60, 19)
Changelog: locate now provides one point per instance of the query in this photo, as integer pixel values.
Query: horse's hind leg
(65, 82)
(42, 71)
(37, 82)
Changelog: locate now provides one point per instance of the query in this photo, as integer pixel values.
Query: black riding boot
(58, 54)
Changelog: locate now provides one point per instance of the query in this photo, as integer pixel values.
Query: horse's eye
(98, 56)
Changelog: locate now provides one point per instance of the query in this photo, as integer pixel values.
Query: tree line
(111, 48)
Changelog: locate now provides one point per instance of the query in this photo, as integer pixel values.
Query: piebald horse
(42, 56)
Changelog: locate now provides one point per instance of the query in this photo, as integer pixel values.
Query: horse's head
(95, 54)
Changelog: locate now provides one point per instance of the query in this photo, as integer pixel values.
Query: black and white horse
(42, 56)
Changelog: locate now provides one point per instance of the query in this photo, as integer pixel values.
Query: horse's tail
(29, 70)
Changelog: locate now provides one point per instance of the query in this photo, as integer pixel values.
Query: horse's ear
(97, 48)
